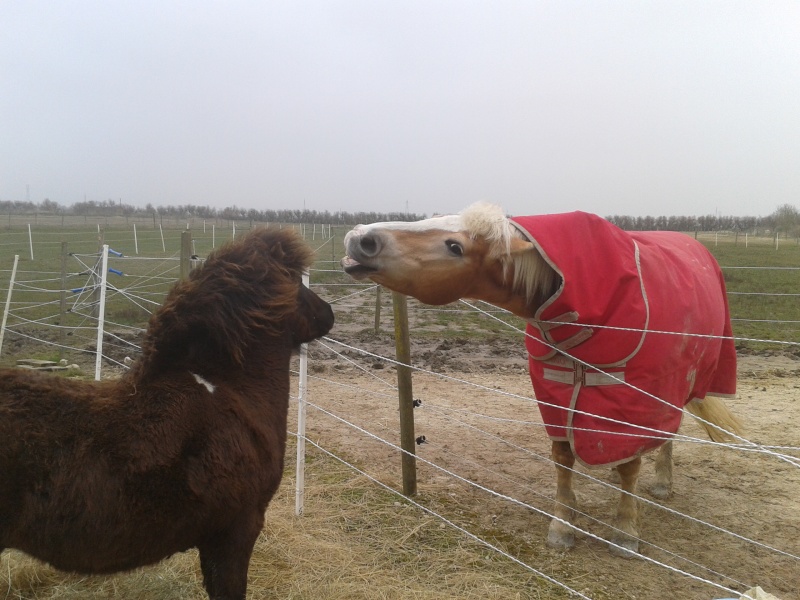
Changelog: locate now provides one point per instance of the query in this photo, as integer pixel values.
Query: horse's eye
(454, 248)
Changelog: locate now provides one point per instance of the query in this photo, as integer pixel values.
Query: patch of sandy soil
(733, 519)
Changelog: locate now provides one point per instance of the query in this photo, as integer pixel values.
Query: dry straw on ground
(355, 540)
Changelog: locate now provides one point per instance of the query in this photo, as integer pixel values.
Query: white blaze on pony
(624, 330)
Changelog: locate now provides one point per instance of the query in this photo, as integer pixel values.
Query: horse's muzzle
(355, 269)
(360, 246)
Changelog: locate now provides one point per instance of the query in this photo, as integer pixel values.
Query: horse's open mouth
(355, 269)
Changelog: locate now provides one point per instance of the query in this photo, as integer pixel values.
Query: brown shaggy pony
(186, 449)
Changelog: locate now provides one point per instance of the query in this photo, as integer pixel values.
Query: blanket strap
(579, 375)
(583, 334)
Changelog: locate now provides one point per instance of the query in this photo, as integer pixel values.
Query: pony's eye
(454, 248)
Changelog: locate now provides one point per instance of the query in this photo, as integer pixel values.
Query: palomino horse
(184, 450)
(624, 329)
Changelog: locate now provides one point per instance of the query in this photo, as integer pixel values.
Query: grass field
(763, 281)
(138, 280)
(764, 289)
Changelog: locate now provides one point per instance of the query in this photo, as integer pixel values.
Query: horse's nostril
(370, 245)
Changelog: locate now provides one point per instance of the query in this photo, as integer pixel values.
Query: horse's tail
(716, 418)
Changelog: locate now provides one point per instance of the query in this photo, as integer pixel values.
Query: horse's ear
(519, 246)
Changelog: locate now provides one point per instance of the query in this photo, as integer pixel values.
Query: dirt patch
(734, 518)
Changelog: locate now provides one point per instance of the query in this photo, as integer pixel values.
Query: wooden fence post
(186, 253)
(378, 310)
(403, 351)
(97, 274)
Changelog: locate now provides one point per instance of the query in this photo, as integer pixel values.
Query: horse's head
(442, 259)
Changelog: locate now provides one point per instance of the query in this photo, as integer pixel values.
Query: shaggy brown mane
(243, 291)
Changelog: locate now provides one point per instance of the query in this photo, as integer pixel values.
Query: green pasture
(60, 265)
(148, 273)
(763, 283)
(763, 289)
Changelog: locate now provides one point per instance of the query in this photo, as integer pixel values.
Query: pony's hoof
(660, 491)
(560, 536)
(626, 547)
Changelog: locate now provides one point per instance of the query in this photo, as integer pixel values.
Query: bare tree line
(786, 218)
(110, 208)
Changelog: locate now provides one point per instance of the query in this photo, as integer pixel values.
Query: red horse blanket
(622, 345)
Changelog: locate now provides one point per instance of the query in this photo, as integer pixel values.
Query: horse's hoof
(660, 491)
(560, 536)
(626, 547)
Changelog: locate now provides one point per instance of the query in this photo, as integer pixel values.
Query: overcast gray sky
(625, 107)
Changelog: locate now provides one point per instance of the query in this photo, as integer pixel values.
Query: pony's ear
(277, 252)
(519, 246)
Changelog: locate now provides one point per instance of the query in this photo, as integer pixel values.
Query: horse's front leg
(662, 488)
(561, 535)
(626, 534)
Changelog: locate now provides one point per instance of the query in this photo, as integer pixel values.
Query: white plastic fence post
(163, 245)
(101, 315)
(135, 239)
(8, 300)
(300, 471)
(30, 239)
(213, 236)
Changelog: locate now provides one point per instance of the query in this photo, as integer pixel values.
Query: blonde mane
(531, 275)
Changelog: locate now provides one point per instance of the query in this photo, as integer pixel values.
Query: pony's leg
(561, 535)
(662, 488)
(225, 558)
(626, 534)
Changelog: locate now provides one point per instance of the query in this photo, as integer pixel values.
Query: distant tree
(48, 206)
(787, 219)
